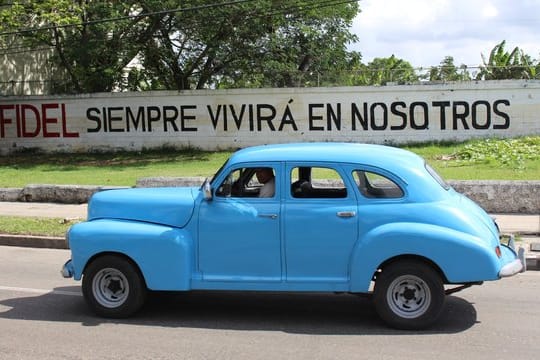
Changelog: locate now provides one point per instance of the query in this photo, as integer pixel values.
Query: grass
(509, 159)
(488, 159)
(517, 159)
(20, 225)
(121, 169)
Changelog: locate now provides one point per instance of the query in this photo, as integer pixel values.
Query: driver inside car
(266, 177)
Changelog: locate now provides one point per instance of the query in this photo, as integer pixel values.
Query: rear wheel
(409, 295)
(113, 287)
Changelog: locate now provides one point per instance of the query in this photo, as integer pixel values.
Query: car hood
(166, 206)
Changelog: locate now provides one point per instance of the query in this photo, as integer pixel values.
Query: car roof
(403, 164)
(368, 154)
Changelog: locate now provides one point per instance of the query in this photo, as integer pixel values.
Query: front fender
(461, 257)
(163, 254)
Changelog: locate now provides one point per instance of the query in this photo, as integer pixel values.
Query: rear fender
(163, 254)
(461, 257)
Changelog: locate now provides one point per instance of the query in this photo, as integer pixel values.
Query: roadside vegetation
(495, 159)
(20, 225)
(121, 168)
(485, 159)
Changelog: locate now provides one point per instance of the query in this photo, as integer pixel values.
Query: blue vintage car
(319, 217)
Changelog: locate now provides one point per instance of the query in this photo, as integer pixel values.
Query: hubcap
(110, 288)
(408, 296)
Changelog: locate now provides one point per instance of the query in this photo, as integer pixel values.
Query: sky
(423, 32)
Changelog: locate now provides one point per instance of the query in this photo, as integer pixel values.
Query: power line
(305, 6)
(121, 18)
(310, 5)
(295, 8)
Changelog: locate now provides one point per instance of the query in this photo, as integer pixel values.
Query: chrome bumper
(516, 266)
(511, 269)
(67, 270)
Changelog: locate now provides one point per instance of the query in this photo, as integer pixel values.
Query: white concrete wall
(24, 70)
(217, 119)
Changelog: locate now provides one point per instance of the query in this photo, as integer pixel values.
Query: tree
(187, 44)
(381, 71)
(447, 71)
(90, 53)
(257, 44)
(502, 64)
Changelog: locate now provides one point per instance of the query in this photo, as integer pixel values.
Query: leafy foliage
(502, 64)
(102, 46)
(447, 71)
(500, 152)
(188, 44)
(382, 71)
(256, 44)
(90, 49)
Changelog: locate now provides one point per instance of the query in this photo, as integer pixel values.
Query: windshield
(437, 177)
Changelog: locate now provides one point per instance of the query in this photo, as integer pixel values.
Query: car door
(320, 223)
(239, 232)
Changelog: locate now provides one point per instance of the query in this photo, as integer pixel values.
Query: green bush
(500, 152)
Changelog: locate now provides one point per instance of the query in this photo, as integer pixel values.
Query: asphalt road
(43, 316)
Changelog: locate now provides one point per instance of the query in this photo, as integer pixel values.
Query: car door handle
(270, 216)
(346, 214)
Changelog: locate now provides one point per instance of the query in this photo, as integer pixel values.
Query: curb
(533, 263)
(42, 242)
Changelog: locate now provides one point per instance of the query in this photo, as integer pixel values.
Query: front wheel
(113, 287)
(409, 295)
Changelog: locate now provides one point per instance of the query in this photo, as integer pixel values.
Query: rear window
(378, 186)
(437, 177)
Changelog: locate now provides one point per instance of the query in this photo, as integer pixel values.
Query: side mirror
(207, 190)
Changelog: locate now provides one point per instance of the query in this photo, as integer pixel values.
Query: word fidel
(456, 115)
(44, 120)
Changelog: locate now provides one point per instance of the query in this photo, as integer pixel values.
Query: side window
(373, 185)
(248, 182)
(317, 182)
